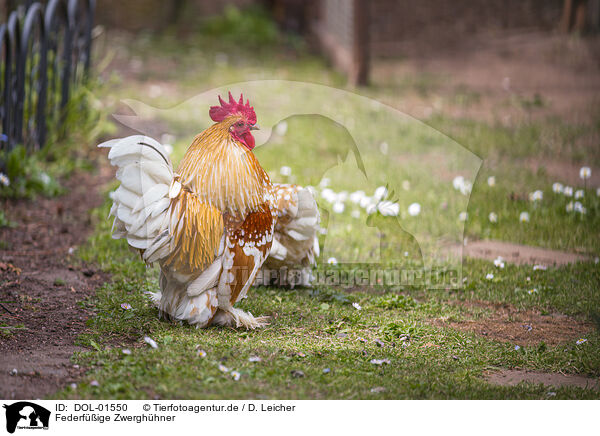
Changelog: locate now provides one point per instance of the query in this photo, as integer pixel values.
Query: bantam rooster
(213, 223)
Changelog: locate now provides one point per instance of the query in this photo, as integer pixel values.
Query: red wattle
(248, 139)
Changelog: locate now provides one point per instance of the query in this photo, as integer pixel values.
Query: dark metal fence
(44, 53)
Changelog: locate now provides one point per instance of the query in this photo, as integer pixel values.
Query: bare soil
(512, 377)
(505, 323)
(520, 254)
(499, 76)
(41, 288)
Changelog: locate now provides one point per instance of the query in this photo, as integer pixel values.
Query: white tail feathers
(295, 244)
(141, 202)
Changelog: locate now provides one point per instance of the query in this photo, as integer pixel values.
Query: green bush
(249, 27)
(26, 176)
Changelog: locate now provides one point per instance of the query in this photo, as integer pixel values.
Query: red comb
(219, 113)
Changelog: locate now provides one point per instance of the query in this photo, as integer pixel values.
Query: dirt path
(519, 254)
(498, 76)
(512, 377)
(41, 287)
(505, 323)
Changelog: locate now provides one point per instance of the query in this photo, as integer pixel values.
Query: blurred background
(514, 83)
(351, 32)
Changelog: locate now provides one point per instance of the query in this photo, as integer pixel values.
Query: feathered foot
(238, 318)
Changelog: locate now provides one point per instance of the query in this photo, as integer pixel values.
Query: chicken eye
(240, 124)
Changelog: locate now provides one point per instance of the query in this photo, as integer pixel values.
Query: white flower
(532, 291)
(578, 194)
(126, 351)
(380, 193)
(356, 196)
(4, 180)
(463, 216)
(458, 182)
(387, 208)
(45, 178)
(329, 195)
(540, 267)
(414, 209)
(493, 217)
(338, 207)
(236, 375)
(569, 207)
(597, 192)
(517, 348)
(581, 341)
(380, 361)
(578, 207)
(524, 217)
(585, 173)
(371, 209)
(466, 187)
(558, 188)
(332, 261)
(94, 383)
(489, 276)
(324, 183)
(499, 262)
(281, 128)
(462, 185)
(383, 147)
(285, 171)
(568, 191)
(150, 341)
(365, 202)
(355, 214)
(356, 306)
(536, 195)
(491, 181)
(254, 359)
(406, 185)
(223, 368)
(201, 353)
(342, 196)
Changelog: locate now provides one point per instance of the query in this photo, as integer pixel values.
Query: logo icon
(26, 415)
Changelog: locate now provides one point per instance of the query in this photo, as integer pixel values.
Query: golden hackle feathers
(196, 230)
(224, 173)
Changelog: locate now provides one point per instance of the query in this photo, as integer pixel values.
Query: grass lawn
(407, 340)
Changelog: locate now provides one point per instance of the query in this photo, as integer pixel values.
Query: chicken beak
(255, 127)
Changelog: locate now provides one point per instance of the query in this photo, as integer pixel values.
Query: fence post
(33, 20)
(359, 75)
(5, 110)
